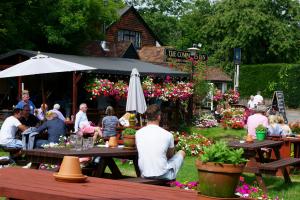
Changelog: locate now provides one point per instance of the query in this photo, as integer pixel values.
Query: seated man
(156, 149)
(55, 128)
(9, 129)
(27, 118)
(82, 125)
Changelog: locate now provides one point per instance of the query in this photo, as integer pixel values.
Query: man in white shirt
(9, 129)
(258, 99)
(81, 117)
(251, 103)
(156, 149)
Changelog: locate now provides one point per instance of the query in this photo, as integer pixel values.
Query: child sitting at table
(286, 130)
(274, 129)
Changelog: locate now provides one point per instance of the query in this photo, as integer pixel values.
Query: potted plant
(261, 132)
(219, 169)
(129, 138)
(132, 121)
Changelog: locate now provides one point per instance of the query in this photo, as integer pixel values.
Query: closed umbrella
(135, 98)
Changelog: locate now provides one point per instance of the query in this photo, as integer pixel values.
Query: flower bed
(248, 191)
(295, 127)
(233, 118)
(186, 185)
(206, 121)
(192, 144)
(230, 96)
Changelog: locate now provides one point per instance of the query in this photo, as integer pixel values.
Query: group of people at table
(155, 145)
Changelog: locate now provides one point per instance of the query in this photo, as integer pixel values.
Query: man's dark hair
(17, 110)
(152, 112)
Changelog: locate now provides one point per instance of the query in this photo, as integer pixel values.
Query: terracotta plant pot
(70, 166)
(129, 141)
(113, 142)
(218, 180)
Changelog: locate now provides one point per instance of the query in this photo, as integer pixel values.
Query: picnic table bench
(18, 183)
(261, 165)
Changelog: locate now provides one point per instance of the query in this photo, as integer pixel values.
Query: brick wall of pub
(130, 21)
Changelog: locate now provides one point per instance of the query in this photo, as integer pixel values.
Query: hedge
(268, 78)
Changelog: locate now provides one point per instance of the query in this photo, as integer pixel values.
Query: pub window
(133, 36)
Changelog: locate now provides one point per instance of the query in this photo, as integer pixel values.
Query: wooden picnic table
(55, 156)
(253, 166)
(19, 183)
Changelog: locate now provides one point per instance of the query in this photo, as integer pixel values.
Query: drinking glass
(91, 142)
(72, 140)
(78, 143)
(85, 144)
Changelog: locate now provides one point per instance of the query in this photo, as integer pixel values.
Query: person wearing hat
(257, 119)
(25, 100)
(55, 128)
(9, 129)
(55, 109)
(109, 123)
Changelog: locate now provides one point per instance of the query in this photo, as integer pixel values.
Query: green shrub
(268, 78)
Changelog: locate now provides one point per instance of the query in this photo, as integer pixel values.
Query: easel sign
(278, 102)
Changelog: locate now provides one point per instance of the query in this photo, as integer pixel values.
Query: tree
(54, 25)
(267, 31)
(163, 17)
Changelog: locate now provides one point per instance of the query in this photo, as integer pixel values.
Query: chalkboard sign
(278, 103)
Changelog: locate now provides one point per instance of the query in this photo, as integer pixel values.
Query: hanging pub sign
(278, 104)
(184, 55)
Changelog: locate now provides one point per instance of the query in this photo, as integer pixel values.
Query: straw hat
(70, 170)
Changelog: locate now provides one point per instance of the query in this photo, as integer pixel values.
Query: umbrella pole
(43, 94)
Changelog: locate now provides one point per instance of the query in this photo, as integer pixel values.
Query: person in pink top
(257, 119)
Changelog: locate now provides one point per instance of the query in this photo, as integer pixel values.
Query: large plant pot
(260, 135)
(218, 180)
(129, 141)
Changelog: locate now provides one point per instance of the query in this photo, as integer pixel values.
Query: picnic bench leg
(100, 168)
(116, 173)
(260, 182)
(284, 171)
(136, 167)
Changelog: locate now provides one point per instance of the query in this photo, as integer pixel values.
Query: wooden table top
(31, 184)
(255, 145)
(96, 151)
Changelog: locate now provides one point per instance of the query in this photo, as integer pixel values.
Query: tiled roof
(152, 54)
(216, 74)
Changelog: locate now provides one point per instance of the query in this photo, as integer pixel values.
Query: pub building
(130, 43)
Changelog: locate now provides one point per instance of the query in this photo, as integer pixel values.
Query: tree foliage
(53, 25)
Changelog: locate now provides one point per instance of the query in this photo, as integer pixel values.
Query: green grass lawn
(218, 133)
